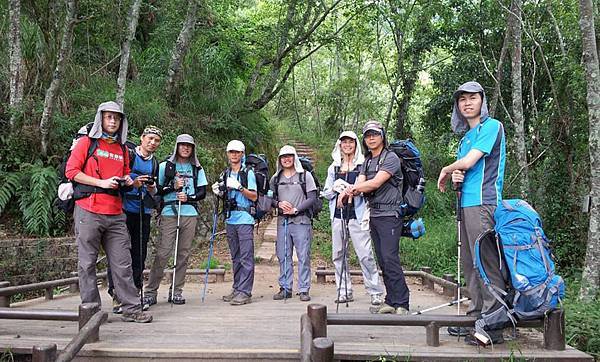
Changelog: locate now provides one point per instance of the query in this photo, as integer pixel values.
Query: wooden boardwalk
(263, 330)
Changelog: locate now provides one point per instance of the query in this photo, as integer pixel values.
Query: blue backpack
(534, 286)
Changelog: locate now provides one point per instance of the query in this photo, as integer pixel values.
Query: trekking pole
(211, 245)
(285, 238)
(458, 188)
(141, 250)
(449, 304)
(175, 253)
(344, 268)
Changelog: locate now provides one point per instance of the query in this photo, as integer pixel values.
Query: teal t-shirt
(183, 170)
(484, 181)
(239, 217)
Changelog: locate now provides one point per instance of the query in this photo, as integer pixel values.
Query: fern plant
(10, 186)
(36, 200)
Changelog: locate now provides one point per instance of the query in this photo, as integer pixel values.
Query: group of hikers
(115, 192)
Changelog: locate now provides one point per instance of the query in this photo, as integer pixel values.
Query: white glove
(233, 183)
(216, 190)
(340, 185)
(364, 223)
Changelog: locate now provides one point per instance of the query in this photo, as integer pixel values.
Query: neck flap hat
(185, 138)
(96, 130)
(376, 126)
(289, 150)
(336, 154)
(458, 122)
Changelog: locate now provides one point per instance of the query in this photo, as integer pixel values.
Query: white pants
(361, 240)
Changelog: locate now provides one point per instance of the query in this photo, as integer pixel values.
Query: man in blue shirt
(480, 168)
(238, 188)
(182, 183)
(144, 170)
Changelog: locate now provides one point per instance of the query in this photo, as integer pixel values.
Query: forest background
(268, 71)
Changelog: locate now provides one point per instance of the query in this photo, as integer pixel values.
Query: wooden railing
(6, 291)
(90, 317)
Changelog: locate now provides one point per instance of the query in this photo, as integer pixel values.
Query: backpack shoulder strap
(169, 172)
(302, 180)
(154, 167)
(244, 177)
(91, 150)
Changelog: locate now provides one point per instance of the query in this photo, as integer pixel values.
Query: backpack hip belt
(82, 191)
(386, 205)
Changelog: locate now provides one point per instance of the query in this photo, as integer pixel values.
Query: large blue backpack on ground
(534, 286)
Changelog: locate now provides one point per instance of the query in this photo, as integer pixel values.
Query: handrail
(39, 314)
(7, 291)
(85, 332)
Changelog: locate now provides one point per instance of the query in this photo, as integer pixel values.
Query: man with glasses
(99, 164)
(376, 182)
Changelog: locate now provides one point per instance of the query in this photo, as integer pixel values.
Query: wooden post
(4, 299)
(220, 277)
(433, 334)
(449, 291)
(426, 282)
(86, 311)
(44, 353)
(554, 330)
(321, 278)
(49, 293)
(74, 287)
(322, 349)
(317, 313)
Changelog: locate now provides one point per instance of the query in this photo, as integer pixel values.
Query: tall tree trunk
(16, 59)
(294, 100)
(61, 62)
(179, 52)
(132, 22)
(316, 95)
(499, 74)
(590, 280)
(517, 98)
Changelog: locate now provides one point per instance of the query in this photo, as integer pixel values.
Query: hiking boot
(459, 331)
(402, 311)
(376, 299)
(241, 298)
(283, 294)
(117, 306)
(138, 317)
(304, 297)
(229, 297)
(177, 299)
(344, 299)
(148, 301)
(495, 335)
(383, 309)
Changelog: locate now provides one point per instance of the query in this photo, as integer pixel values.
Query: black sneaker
(283, 294)
(177, 299)
(148, 301)
(459, 331)
(476, 339)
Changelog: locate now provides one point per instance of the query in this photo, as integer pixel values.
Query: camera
(222, 187)
(122, 183)
(149, 182)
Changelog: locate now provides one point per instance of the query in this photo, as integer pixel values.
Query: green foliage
(11, 185)
(36, 200)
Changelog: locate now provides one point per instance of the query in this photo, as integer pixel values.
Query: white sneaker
(376, 299)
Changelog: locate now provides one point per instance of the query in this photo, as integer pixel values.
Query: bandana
(152, 130)
(110, 139)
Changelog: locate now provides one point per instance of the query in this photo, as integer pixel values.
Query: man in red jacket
(99, 165)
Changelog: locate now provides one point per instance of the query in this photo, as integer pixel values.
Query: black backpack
(170, 172)
(413, 184)
(307, 165)
(413, 187)
(259, 164)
